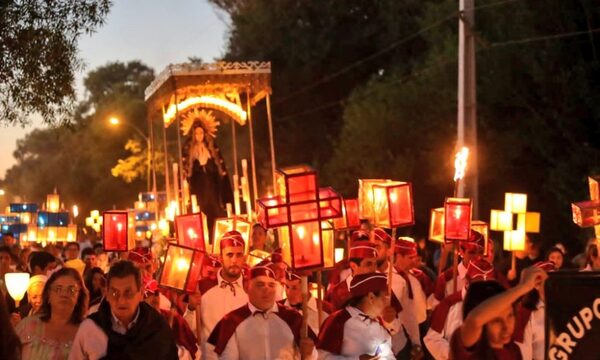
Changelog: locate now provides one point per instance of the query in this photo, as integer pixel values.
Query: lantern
(328, 239)
(483, 228)
(224, 225)
(350, 218)
(72, 233)
(365, 197)
(176, 267)
(529, 222)
(457, 219)
(501, 220)
(115, 230)
(330, 203)
(52, 202)
(190, 231)
(256, 256)
(23, 208)
(296, 183)
(195, 273)
(514, 240)
(515, 203)
(436, 225)
(16, 284)
(392, 204)
(272, 212)
(586, 213)
(303, 245)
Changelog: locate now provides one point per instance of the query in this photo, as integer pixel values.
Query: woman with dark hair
(489, 319)
(50, 334)
(557, 256)
(204, 167)
(10, 346)
(95, 283)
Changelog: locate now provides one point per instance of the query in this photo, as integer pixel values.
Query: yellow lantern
(436, 225)
(515, 203)
(366, 197)
(514, 240)
(530, 222)
(52, 203)
(501, 220)
(16, 284)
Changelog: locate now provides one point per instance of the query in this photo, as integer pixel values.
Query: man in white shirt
(293, 292)
(354, 332)
(262, 329)
(124, 326)
(221, 295)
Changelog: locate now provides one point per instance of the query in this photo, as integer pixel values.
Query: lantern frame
(289, 187)
(365, 197)
(183, 223)
(436, 225)
(246, 234)
(107, 227)
(464, 233)
(382, 205)
(194, 259)
(350, 219)
(586, 213)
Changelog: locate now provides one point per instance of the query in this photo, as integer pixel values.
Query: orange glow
(460, 163)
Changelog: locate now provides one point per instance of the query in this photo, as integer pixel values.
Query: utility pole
(467, 101)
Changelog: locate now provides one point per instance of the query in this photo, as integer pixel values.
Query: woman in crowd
(489, 319)
(95, 282)
(50, 334)
(557, 256)
(10, 346)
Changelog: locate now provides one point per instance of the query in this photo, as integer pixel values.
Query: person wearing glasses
(50, 333)
(124, 327)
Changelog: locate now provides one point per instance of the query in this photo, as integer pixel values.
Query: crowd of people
(82, 303)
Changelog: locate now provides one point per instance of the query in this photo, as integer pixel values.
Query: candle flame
(182, 265)
(460, 163)
(301, 232)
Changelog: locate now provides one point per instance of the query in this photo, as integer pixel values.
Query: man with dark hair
(71, 251)
(41, 262)
(88, 255)
(124, 327)
(362, 259)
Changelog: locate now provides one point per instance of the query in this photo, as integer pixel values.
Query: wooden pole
(252, 158)
(198, 325)
(167, 172)
(391, 260)
(455, 266)
(271, 140)
(304, 329)
(320, 297)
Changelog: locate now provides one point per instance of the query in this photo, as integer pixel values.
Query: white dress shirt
(362, 336)
(407, 318)
(262, 337)
(462, 275)
(437, 343)
(91, 341)
(532, 347)
(216, 303)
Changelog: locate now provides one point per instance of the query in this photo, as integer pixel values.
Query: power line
(386, 50)
(448, 60)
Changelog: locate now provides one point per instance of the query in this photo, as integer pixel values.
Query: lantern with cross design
(299, 210)
(515, 213)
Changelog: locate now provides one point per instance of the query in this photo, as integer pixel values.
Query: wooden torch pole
(304, 329)
(320, 297)
(391, 264)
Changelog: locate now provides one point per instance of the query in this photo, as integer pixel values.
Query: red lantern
(586, 213)
(297, 183)
(115, 230)
(365, 197)
(457, 219)
(330, 203)
(195, 272)
(272, 212)
(190, 231)
(393, 205)
(350, 218)
(305, 244)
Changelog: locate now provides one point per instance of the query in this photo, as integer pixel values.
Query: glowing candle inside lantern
(16, 284)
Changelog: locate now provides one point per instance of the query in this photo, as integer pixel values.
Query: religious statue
(203, 165)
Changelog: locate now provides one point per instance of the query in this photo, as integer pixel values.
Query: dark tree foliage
(38, 55)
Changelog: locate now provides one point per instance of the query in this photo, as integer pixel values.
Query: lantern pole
(167, 172)
(391, 260)
(304, 328)
(271, 139)
(320, 297)
(198, 325)
(252, 158)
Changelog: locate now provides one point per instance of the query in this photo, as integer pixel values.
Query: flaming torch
(460, 167)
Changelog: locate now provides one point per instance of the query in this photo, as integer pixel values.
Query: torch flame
(460, 163)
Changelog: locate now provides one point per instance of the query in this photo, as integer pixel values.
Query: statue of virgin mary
(204, 166)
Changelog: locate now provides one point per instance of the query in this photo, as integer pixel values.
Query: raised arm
(490, 308)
